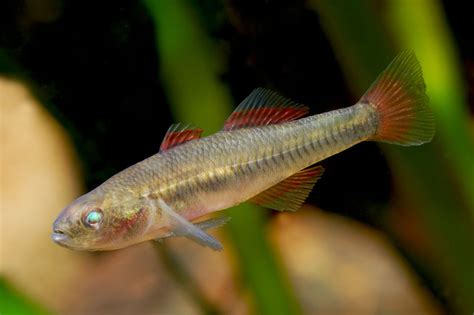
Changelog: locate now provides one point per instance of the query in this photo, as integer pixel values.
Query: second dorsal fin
(178, 134)
(264, 107)
(290, 193)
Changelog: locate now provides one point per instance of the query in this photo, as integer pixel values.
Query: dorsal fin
(290, 193)
(264, 107)
(178, 134)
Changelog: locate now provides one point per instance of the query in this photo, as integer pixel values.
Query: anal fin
(290, 193)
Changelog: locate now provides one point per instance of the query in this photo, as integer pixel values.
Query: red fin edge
(178, 134)
(263, 107)
(290, 193)
(399, 97)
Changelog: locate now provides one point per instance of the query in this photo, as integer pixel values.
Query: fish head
(99, 221)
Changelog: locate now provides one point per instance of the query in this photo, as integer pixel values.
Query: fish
(266, 153)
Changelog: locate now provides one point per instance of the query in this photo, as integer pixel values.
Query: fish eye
(93, 218)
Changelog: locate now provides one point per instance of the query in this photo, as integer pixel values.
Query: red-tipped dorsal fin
(399, 98)
(178, 134)
(290, 193)
(264, 107)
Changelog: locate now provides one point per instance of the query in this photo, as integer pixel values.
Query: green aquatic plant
(194, 91)
(441, 175)
(14, 302)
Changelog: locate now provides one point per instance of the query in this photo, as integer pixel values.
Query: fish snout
(59, 236)
(60, 233)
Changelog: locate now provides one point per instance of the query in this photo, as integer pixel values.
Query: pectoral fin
(212, 223)
(203, 225)
(182, 227)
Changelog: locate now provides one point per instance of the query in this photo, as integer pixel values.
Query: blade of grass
(176, 268)
(435, 49)
(190, 74)
(438, 184)
(187, 68)
(12, 302)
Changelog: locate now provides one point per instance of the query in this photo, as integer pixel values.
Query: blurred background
(88, 88)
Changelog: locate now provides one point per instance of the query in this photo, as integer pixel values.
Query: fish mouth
(60, 238)
(63, 239)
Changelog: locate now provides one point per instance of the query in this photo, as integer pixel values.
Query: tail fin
(399, 97)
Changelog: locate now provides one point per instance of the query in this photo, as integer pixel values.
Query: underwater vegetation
(88, 89)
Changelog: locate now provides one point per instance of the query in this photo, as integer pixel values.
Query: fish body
(229, 167)
(264, 154)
